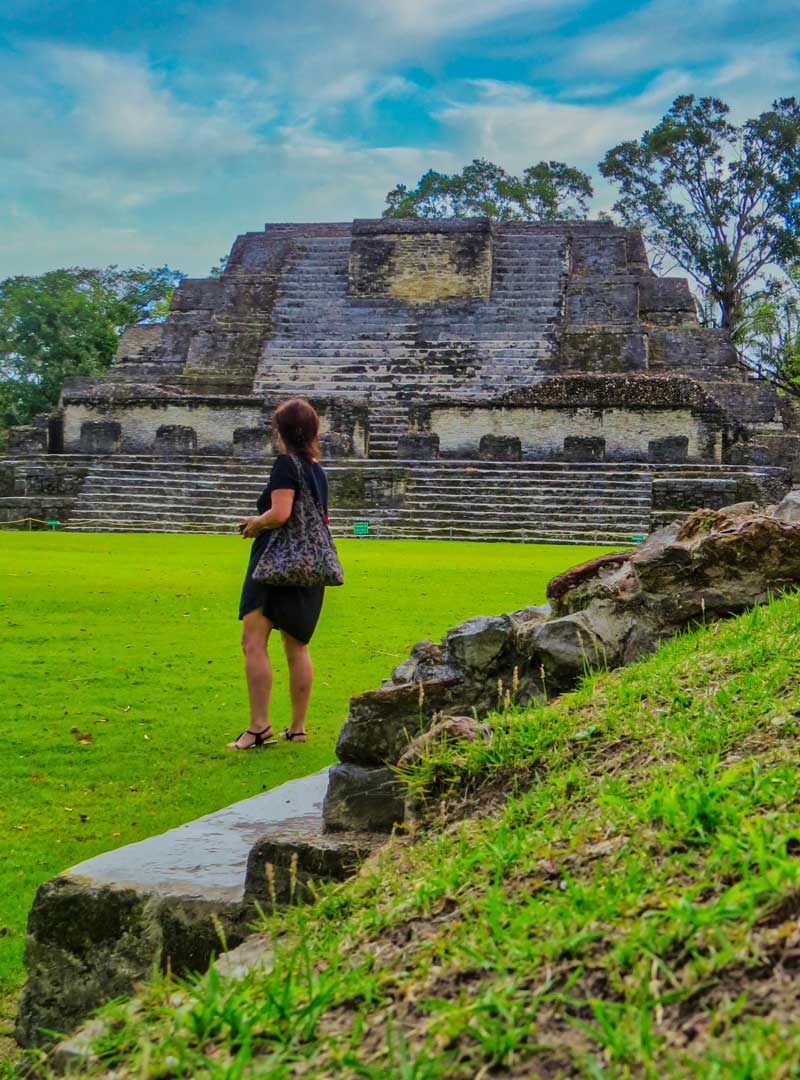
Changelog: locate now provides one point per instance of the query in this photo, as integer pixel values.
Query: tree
(220, 268)
(722, 201)
(67, 322)
(544, 192)
(770, 331)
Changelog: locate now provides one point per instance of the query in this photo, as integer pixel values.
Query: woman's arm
(277, 515)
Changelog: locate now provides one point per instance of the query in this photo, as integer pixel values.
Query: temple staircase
(519, 501)
(326, 343)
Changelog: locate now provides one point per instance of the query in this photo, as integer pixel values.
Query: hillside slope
(610, 887)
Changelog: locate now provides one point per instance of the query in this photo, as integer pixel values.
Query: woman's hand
(250, 527)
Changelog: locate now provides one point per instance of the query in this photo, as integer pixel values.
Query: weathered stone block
(425, 662)
(477, 643)
(287, 867)
(336, 444)
(100, 436)
(100, 927)
(584, 448)
(447, 729)
(604, 349)
(381, 723)
(27, 439)
(251, 442)
(362, 799)
(687, 493)
(601, 303)
(750, 454)
(596, 254)
(671, 450)
(789, 508)
(420, 446)
(567, 647)
(175, 440)
(421, 261)
(667, 302)
(500, 448)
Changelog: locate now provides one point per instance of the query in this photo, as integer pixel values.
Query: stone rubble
(604, 613)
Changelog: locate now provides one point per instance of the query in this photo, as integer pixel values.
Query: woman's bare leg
(256, 629)
(301, 674)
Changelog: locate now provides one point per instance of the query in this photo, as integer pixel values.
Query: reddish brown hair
(297, 423)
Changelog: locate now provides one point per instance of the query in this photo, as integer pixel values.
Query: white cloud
(98, 128)
(517, 127)
(121, 104)
(113, 158)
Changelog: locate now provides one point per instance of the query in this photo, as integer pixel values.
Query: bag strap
(313, 487)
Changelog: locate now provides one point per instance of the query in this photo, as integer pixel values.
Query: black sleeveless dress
(288, 607)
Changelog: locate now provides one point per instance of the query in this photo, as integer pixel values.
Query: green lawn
(120, 679)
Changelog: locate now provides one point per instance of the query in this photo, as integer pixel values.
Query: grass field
(120, 680)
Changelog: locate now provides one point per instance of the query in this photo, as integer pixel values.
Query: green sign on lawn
(638, 537)
(360, 528)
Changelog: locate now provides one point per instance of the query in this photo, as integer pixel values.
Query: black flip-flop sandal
(261, 738)
(290, 736)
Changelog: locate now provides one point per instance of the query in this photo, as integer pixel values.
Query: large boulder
(476, 644)
(381, 723)
(713, 564)
(361, 799)
(426, 662)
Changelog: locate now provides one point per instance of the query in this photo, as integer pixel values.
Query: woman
(291, 609)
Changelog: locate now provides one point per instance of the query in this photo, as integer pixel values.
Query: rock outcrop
(604, 613)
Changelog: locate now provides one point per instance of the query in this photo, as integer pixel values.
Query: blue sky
(148, 133)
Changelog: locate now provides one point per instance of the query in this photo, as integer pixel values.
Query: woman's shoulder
(283, 468)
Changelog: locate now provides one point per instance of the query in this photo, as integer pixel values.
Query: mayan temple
(507, 381)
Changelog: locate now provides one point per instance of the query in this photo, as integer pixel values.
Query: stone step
(168, 897)
(225, 512)
(230, 507)
(437, 482)
(417, 495)
(418, 531)
(225, 463)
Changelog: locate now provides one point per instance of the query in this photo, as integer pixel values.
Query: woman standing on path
(289, 608)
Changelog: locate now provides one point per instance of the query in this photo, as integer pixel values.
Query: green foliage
(115, 723)
(769, 336)
(67, 322)
(722, 200)
(545, 192)
(620, 906)
(219, 269)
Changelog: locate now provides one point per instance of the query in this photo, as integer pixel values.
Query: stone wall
(421, 261)
(44, 487)
(628, 434)
(213, 422)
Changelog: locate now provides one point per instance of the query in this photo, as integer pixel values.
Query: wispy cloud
(121, 145)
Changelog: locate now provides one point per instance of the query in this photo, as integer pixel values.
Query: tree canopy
(723, 201)
(544, 192)
(769, 336)
(67, 322)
